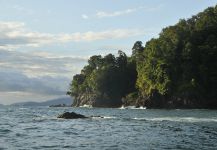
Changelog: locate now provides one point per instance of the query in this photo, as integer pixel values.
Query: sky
(43, 43)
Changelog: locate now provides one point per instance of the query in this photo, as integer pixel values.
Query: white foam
(132, 107)
(86, 106)
(103, 117)
(122, 107)
(141, 107)
(108, 117)
(179, 119)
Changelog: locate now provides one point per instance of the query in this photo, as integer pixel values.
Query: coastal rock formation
(71, 115)
(175, 70)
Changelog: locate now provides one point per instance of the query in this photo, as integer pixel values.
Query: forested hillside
(176, 70)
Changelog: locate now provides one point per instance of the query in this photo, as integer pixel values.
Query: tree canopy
(104, 81)
(177, 69)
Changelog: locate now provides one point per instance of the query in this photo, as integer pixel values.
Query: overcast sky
(43, 43)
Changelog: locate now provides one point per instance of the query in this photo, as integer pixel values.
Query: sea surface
(26, 128)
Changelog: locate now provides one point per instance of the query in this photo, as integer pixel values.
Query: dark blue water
(38, 128)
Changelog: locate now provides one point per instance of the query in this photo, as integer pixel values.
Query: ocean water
(128, 129)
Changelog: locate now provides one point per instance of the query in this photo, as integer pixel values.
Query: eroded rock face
(71, 115)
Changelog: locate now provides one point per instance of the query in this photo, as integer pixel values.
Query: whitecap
(103, 117)
(179, 119)
(86, 106)
(141, 107)
(108, 117)
(122, 107)
(132, 107)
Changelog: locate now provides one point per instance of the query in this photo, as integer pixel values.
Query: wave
(4, 131)
(132, 107)
(156, 119)
(86, 106)
(108, 117)
(179, 119)
(23, 108)
(44, 118)
(103, 117)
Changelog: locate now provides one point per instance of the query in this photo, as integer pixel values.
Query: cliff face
(84, 99)
(157, 100)
(95, 101)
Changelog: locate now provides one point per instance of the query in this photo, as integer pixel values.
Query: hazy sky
(43, 43)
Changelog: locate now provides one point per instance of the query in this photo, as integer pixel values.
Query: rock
(72, 115)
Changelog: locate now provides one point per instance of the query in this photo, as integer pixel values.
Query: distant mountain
(1, 105)
(65, 100)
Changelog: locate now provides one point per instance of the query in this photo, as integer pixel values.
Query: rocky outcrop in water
(71, 115)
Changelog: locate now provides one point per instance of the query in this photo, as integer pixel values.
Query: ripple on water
(31, 128)
(20, 134)
(5, 131)
(178, 119)
(38, 128)
(70, 133)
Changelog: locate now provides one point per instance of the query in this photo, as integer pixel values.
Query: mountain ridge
(62, 100)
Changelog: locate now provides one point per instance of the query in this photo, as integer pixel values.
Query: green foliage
(107, 79)
(182, 62)
(180, 66)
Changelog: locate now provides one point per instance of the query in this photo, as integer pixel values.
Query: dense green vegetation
(176, 70)
(104, 81)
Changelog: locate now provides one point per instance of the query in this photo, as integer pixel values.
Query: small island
(176, 70)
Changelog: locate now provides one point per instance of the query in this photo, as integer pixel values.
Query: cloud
(108, 34)
(16, 86)
(15, 34)
(36, 74)
(104, 14)
(13, 81)
(84, 16)
(36, 64)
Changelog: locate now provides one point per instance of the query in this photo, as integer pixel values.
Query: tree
(176, 69)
